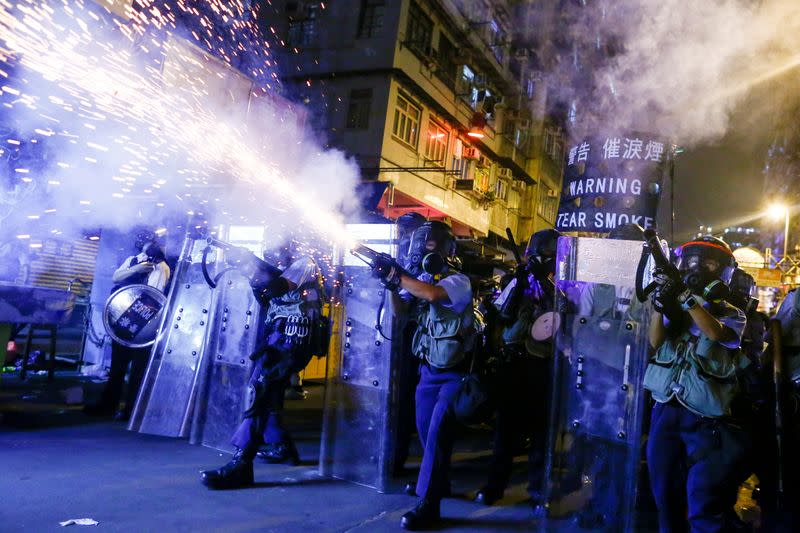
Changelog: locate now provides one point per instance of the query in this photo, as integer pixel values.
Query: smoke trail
(678, 68)
(136, 125)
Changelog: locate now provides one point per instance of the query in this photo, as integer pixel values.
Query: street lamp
(776, 211)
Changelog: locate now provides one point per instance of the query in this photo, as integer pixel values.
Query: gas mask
(431, 246)
(706, 267)
(541, 253)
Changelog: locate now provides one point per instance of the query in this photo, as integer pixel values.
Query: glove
(385, 268)
(669, 293)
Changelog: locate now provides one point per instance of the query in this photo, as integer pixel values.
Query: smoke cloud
(677, 68)
(123, 124)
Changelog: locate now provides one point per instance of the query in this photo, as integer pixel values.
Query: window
(419, 30)
(469, 86)
(370, 21)
(358, 109)
(501, 189)
(406, 122)
(304, 31)
(436, 143)
(520, 136)
(497, 37)
(530, 87)
(482, 179)
(548, 203)
(553, 146)
(447, 65)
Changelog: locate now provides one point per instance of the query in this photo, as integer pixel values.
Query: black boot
(488, 495)
(280, 452)
(425, 515)
(236, 474)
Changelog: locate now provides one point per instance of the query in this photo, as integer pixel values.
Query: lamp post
(779, 210)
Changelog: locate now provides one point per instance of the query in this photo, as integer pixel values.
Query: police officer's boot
(236, 474)
(425, 515)
(280, 452)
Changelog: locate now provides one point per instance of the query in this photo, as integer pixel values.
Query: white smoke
(138, 130)
(680, 69)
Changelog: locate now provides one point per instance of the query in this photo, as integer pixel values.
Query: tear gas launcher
(258, 271)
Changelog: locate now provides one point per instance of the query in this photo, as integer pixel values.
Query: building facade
(440, 100)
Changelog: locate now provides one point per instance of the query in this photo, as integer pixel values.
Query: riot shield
(223, 377)
(601, 349)
(358, 426)
(163, 406)
(196, 382)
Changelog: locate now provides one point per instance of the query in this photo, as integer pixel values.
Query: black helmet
(144, 236)
(543, 243)
(705, 260)
(627, 232)
(408, 222)
(432, 244)
(742, 285)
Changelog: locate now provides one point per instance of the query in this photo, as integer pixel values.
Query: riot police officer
(147, 267)
(525, 316)
(294, 303)
(695, 453)
(408, 370)
(780, 512)
(441, 340)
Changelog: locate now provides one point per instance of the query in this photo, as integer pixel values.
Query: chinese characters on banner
(610, 181)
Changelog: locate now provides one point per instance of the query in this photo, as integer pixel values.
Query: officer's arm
(424, 291)
(274, 288)
(710, 326)
(658, 332)
(123, 272)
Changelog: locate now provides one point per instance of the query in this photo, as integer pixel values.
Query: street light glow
(777, 211)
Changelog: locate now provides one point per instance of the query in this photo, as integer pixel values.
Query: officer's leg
(280, 446)
(716, 452)
(138, 366)
(247, 437)
(433, 480)
(112, 392)
(424, 400)
(506, 432)
(665, 463)
(539, 379)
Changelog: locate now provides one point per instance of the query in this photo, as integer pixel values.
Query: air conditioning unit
(484, 162)
(463, 185)
(504, 172)
(470, 152)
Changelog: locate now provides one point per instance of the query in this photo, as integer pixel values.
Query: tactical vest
(698, 372)
(294, 316)
(443, 337)
(519, 332)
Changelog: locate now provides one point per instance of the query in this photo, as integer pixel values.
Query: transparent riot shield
(165, 398)
(601, 348)
(358, 429)
(196, 381)
(222, 381)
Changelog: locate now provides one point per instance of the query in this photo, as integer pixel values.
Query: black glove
(385, 268)
(665, 296)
